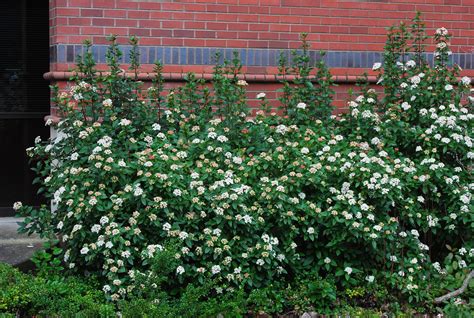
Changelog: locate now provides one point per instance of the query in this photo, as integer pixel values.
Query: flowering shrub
(372, 197)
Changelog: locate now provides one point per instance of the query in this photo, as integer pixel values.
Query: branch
(456, 292)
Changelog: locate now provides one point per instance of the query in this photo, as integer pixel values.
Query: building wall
(185, 34)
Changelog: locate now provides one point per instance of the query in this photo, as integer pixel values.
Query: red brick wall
(333, 25)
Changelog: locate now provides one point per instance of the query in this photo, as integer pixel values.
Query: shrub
(25, 295)
(372, 198)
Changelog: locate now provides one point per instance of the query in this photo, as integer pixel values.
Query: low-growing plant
(48, 260)
(312, 293)
(54, 296)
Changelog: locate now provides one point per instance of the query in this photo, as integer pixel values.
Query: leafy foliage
(372, 198)
(26, 295)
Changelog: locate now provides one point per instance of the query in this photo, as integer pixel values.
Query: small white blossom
(138, 191)
(180, 270)
(84, 250)
(442, 31)
(415, 80)
(222, 138)
(17, 205)
(107, 103)
(125, 122)
(466, 80)
(216, 269)
(376, 66)
(104, 220)
(301, 106)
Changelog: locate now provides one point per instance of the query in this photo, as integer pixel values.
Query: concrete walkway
(16, 248)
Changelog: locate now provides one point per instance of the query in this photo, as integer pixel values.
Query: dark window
(24, 95)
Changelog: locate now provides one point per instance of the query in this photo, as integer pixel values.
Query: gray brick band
(66, 53)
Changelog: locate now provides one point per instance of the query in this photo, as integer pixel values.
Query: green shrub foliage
(27, 296)
(379, 196)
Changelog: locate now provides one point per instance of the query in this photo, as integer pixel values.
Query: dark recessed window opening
(24, 95)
